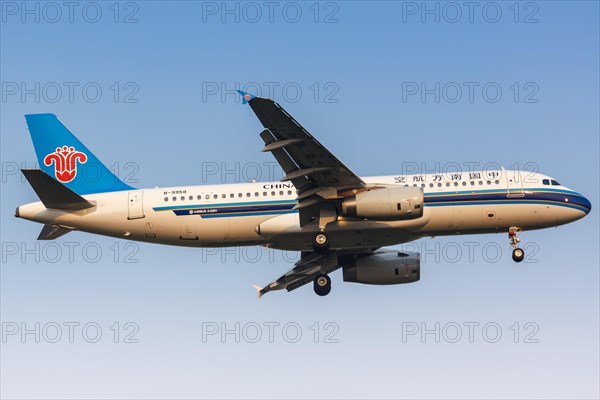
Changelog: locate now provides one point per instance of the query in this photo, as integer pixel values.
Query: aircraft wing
(310, 265)
(307, 163)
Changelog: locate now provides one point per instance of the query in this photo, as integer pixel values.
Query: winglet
(246, 96)
(259, 292)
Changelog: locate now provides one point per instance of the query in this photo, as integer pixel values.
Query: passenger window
(255, 194)
(223, 195)
(216, 196)
(431, 185)
(289, 192)
(497, 182)
(422, 185)
(166, 199)
(231, 195)
(207, 197)
(439, 184)
(455, 183)
(281, 192)
(464, 183)
(545, 182)
(273, 193)
(264, 193)
(481, 182)
(447, 184)
(174, 198)
(472, 183)
(248, 194)
(182, 198)
(192, 197)
(240, 195)
(489, 182)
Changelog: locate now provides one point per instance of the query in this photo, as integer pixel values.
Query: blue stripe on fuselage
(556, 197)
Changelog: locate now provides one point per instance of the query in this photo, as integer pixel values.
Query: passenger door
(135, 204)
(514, 183)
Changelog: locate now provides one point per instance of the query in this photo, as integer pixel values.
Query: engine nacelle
(382, 268)
(385, 204)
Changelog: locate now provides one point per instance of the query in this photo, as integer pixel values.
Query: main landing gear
(518, 254)
(322, 284)
(320, 243)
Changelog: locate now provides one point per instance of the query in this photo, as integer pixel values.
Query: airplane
(320, 208)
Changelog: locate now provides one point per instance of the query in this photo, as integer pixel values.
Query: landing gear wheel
(320, 243)
(518, 255)
(322, 285)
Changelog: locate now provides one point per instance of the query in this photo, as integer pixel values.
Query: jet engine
(385, 204)
(382, 268)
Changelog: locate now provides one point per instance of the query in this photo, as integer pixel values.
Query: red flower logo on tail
(65, 162)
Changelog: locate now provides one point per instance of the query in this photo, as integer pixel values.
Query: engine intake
(382, 268)
(385, 204)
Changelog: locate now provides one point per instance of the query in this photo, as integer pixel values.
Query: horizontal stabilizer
(53, 193)
(51, 232)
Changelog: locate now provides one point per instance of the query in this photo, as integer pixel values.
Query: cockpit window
(546, 181)
(554, 183)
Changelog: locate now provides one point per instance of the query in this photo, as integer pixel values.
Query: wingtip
(246, 97)
(259, 292)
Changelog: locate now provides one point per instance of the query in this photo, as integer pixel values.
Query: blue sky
(149, 87)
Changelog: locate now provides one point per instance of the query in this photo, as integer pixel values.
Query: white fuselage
(261, 213)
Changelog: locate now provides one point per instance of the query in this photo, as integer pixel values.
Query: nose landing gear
(518, 254)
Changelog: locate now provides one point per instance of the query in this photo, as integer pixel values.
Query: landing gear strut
(322, 285)
(518, 254)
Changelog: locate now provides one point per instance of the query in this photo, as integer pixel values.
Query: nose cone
(585, 203)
